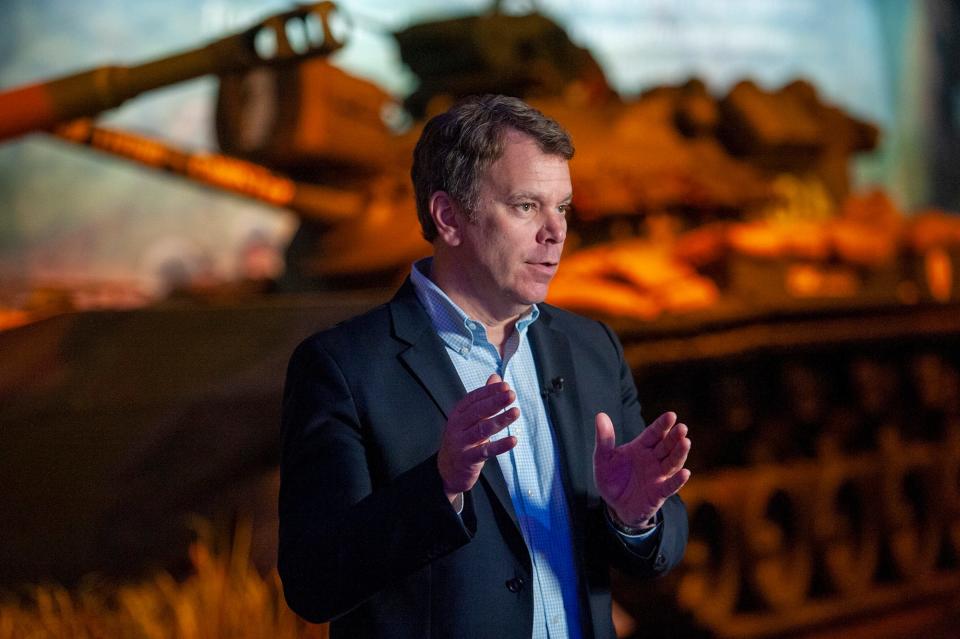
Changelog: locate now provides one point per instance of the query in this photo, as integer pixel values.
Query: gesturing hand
(636, 478)
(466, 444)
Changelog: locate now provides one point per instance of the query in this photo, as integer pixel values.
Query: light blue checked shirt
(531, 469)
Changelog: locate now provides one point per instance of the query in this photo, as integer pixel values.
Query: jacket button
(661, 561)
(515, 584)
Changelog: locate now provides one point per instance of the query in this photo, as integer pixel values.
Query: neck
(500, 321)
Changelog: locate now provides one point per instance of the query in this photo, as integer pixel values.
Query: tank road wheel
(911, 505)
(776, 526)
(950, 481)
(846, 529)
(711, 582)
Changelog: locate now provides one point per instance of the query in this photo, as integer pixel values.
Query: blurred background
(766, 198)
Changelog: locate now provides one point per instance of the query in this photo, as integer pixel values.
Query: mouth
(546, 267)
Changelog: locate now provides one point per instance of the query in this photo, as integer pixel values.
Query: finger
(677, 458)
(493, 386)
(606, 439)
(666, 445)
(487, 407)
(657, 430)
(674, 483)
(489, 449)
(486, 428)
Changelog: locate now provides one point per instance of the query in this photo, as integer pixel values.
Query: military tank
(808, 335)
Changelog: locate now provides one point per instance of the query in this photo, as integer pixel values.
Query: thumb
(493, 379)
(606, 437)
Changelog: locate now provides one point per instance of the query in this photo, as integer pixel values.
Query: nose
(553, 230)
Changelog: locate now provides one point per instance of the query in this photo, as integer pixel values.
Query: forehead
(523, 165)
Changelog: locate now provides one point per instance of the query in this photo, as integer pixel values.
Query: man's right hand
(466, 444)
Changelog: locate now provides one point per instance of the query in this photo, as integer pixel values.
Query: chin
(526, 292)
(533, 296)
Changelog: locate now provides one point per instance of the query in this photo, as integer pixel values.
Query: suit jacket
(367, 536)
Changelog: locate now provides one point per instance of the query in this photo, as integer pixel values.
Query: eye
(526, 207)
(564, 209)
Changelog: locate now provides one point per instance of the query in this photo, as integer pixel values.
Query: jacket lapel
(575, 439)
(424, 356)
(427, 361)
(551, 351)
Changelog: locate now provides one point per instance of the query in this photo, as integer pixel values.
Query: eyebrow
(534, 196)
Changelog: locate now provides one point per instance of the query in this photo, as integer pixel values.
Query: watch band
(630, 529)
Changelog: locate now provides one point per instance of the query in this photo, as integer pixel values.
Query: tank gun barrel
(309, 201)
(280, 39)
(353, 222)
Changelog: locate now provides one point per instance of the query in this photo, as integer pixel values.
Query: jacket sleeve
(667, 549)
(343, 534)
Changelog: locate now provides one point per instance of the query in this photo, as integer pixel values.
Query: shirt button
(555, 619)
(529, 493)
(464, 350)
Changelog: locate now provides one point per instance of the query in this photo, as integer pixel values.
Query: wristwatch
(631, 529)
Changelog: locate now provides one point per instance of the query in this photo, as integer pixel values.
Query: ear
(447, 217)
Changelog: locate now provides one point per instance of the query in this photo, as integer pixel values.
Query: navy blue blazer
(367, 537)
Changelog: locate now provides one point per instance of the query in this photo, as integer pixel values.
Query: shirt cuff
(638, 539)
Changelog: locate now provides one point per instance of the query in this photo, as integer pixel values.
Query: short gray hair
(456, 147)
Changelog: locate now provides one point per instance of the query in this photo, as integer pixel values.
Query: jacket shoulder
(576, 325)
(351, 338)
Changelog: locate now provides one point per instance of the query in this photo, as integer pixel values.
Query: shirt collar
(457, 329)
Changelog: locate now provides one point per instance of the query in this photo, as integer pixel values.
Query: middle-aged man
(466, 461)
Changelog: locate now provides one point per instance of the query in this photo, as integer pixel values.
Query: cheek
(512, 254)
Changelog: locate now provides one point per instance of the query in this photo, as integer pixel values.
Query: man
(437, 477)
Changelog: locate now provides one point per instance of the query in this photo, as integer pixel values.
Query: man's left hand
(636, 478)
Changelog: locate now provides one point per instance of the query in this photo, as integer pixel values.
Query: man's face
(511, 251)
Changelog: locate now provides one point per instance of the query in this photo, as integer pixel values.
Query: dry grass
(223, 596)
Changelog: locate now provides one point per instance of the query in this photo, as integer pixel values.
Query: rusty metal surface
(781, 547)
(826, 466)
(116, 427)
